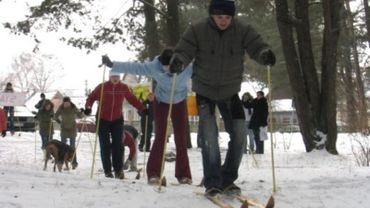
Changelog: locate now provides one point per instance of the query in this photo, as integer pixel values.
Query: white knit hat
(112, 73)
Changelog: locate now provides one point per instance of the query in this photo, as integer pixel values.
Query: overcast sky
(78, 65)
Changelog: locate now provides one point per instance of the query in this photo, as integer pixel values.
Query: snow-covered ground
(304, 180)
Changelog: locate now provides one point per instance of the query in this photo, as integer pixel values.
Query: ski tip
(244, 204)
(271, 202)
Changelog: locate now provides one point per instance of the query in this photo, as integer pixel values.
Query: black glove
(176, 65)
(87, 111)
(144, 112)
(3, 133)
(82, 110)
(106, 61)
(268, 58)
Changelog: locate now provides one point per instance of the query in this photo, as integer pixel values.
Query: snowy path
(305, 180)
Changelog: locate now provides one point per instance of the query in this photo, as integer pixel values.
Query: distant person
(66, 116)
(111, 121)
(3, 122)
(129, 139)
(9, 110)
(146, 124)
(41, 102)
(247, 100)
(158, 69)
(44, 117)
(258, 119)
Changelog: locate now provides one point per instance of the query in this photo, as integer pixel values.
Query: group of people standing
(65, 116)
(216, 47)
(256, 113)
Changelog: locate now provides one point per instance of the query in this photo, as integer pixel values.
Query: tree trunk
(173, 22)
(307, 61)
(349, 89)
(359, 81)
(367, 16)
(151, 31)
(328, 123)
(295, 75)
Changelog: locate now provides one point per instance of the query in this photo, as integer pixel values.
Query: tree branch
(155, 8)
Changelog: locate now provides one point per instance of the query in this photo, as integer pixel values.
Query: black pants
(146, 132)
(114, 149)
(259, 143)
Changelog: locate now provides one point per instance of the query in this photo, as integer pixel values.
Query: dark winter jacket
(260, 112)
(218, 56)
(44, 118)
(40, 104)
(67, 119)
(113, 97)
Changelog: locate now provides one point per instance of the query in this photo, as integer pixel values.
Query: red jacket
(3, 120)
(113, 97)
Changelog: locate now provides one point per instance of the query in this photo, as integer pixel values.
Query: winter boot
(119, 175)
(232, 189)
(109, 175)
(213, 191)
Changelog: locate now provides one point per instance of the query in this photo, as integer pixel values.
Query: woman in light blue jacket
(158, 69)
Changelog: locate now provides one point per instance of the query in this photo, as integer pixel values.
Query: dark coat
(44, 118)
(67, 119)
(218, 56)
(260, 112)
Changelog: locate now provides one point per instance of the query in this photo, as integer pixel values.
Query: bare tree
(32, 73)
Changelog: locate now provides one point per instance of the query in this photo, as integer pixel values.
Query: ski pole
(166, 134)
(35, 140)
(271, 129)
(145, 138)
(254, 157)
(79, 137)
(97, 123)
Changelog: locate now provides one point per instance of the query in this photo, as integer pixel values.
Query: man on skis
(218, 45)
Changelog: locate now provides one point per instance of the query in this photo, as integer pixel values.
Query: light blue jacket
(154, 69)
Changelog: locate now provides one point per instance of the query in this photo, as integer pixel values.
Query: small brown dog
(62, 153)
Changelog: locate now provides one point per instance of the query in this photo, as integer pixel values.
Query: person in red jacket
(111, 121)
(3, 122)
(129, 139)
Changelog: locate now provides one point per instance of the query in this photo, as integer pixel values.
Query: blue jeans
(44, 140)
(72, 142)
(112, 149)
(9, 110)
(215, 175)
(250, 138)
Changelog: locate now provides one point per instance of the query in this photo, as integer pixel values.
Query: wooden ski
(215, 200)
(246, 202)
